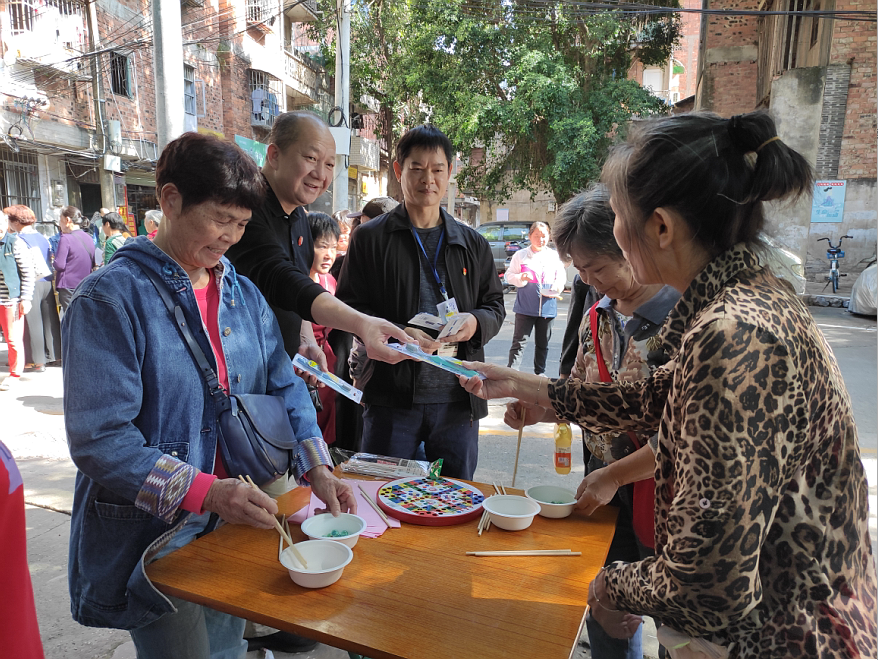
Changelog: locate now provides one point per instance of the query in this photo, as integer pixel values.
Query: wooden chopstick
(518, 447)
(374, 506)
(525, 553)
(286, 537)
(484, 521)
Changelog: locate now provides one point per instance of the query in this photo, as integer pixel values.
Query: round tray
(427, 501)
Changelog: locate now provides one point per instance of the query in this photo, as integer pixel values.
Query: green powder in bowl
(337, 534)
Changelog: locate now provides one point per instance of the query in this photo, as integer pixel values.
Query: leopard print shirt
(761, 518)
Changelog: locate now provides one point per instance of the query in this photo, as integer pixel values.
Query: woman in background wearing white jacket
(539, 275)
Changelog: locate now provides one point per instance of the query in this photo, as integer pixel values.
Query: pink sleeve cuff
(194, 498)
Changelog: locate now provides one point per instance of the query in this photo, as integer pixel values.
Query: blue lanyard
(435, 259)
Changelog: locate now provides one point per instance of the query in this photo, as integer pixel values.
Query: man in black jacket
(276, 251)
(411, 260)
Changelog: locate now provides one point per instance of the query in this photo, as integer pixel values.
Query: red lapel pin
(300, 240)
(464, 272)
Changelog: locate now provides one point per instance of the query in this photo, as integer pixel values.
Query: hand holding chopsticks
(277, 525)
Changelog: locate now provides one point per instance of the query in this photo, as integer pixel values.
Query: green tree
(533, 92)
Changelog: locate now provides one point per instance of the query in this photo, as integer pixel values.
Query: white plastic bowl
(318, 528)
(511, 512)
(554, 501)
(326, 562)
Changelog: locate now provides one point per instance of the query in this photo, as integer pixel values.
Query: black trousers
(524, 326)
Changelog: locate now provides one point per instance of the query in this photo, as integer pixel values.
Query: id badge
(447, 309)
(448, 350)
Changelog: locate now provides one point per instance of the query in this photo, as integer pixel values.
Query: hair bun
(741, 134)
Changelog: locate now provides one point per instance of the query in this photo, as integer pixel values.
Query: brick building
(244, 62)
(675, 79)
(816, 75)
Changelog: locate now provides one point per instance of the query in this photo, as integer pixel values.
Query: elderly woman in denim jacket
(141, 428)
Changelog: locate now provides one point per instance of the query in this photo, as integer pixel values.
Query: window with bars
(190, 121)
(266, 93)
(20, 180)
(120, 74)
(258, 11)
(58, 21)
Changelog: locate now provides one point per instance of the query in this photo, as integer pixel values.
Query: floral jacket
(762, 538)
(631, 349)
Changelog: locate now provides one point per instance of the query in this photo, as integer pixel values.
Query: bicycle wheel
(834, 281)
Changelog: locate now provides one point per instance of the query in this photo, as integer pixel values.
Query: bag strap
(602, 366)
(215, 389)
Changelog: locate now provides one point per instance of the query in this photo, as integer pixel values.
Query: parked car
(498, 234)
(864, 294)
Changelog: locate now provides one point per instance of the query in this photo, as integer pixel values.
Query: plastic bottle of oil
(563, 439)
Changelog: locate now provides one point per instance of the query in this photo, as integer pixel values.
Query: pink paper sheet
(375, 526)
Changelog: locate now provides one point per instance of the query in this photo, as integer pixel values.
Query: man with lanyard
(418, 259)
(276, 251)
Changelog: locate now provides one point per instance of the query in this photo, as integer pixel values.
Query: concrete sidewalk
(33, 429)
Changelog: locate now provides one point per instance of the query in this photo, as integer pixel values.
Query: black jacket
(276, 253)
(380, 277)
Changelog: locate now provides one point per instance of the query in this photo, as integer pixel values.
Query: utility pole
(342, 100)
(105, 177)
(168, 60)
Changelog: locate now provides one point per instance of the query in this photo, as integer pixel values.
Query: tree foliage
(532, 93)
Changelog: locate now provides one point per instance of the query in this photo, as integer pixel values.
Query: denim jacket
(140, 423)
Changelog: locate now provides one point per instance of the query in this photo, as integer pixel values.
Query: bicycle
(834, 253)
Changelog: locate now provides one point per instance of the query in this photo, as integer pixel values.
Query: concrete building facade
(244, 62)
(816, 75)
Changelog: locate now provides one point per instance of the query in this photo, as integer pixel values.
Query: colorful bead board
(426, 501)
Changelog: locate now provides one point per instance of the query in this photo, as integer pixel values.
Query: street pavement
(33, 428)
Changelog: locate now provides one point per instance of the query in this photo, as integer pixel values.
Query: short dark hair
(205, 168)
(288, 126)
(585, 224)
(426, 136)
(115, 221)
(714, 172)
(21, 214)
(323, 225)
(539, 224)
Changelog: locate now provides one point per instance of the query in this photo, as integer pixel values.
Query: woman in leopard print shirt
(761, 518)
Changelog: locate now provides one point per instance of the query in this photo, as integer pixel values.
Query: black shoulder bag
(254, 432)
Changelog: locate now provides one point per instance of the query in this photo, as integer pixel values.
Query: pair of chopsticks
(286, 537)
(525, 553)
(485, 522)
(374, 506)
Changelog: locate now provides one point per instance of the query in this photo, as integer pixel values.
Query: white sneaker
(9, 382)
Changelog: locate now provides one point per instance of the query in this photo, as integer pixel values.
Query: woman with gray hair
(151, 221)
(618, 342)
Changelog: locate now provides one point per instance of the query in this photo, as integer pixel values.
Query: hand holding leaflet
(449, 364)
(330, 380)
(452, 327)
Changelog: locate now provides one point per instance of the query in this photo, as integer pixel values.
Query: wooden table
(412, 592)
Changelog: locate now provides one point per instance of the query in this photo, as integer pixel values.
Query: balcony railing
(301, 75)
(47, 33)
